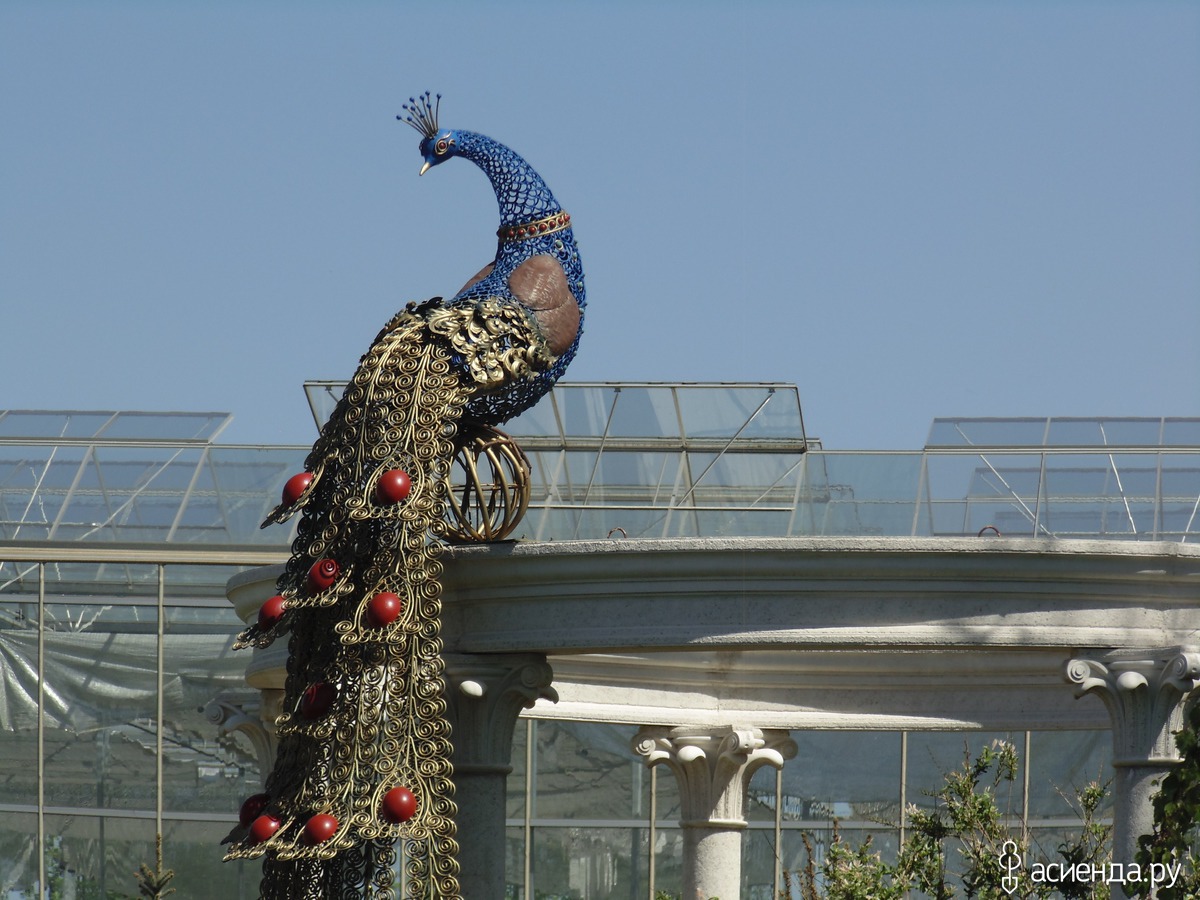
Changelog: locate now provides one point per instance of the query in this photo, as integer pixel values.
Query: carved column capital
(1143, 691)
(713, 766)
(485, 694)
(254, 719)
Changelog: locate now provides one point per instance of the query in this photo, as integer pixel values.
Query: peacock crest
(364, 761)
(422, 114)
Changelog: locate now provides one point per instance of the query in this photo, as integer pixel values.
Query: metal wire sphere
(489, 487)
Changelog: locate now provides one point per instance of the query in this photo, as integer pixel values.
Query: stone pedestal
(713, 766)
(1144, 692)
(485, 694)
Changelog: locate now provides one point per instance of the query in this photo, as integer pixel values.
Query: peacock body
(364, 763)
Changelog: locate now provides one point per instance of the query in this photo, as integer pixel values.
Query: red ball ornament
(319, 828)
(322, 575)
(317, 700)
(392, 486)
(296, 485)
(399, 805)
(271, 612)
(263, 827)
(252, 808)
(383, 609)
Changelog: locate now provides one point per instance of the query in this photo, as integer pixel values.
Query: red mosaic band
(538, 227)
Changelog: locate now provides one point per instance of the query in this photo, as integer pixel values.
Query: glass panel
(669, 806)
(1180, 515)
(1019, 432)
(861, 493)
(668, 859)
(758, 864)
(34, 482)
(206, 769)
(18, 856)
(19, 684)
(585, 771)
(98, 856)
(1130, 432)
(645, 412)
(1181, 433)
(514, 863)
(794, 856)
(851, 776)
(101, 674)
(248, 483)
(51, 423)
(176, 426)
(592, 863)
(1063, 763)
(748, 411)
(934, 755)
(540, 420)
(760, 795)
(516, 782)
(585, 411)
(192, 850)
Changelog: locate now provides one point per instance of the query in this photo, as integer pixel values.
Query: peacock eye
(441, 146)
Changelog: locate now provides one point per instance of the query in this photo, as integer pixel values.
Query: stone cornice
(603, 596)
(897, 632)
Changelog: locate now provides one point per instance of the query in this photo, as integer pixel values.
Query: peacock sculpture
(363, 764)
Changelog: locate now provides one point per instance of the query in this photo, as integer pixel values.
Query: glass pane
(175, 426)
(514, 863)
(193, 850)
(585, 411)
(668, 859)
(1063, 763)
(19, 685)
(1027, 432)
(644, 412)
(1180, 514)
(851, 776)
(592, 863)
(758, 864)
(248, 483)
(101, 700)
(760, 795)
(934, 755)
(585, 770)
(206, 768)
(540, 420)
(860, 493)
(18, 855)
(795, 856)
(98, 856)
(666, 788)
(1181, 433)
(51, 424)
(516, 782)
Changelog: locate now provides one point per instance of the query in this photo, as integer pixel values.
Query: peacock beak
(425, 168)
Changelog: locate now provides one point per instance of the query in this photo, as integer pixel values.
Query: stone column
(485, 694)
(1144, 692)
(713, 766)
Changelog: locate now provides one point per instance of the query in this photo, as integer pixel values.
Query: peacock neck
(520, 191)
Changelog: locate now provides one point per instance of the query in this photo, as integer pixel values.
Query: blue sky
(909, 209)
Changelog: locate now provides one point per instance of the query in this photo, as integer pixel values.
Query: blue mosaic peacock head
(437, 145)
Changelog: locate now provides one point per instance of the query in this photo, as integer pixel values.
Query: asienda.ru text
(1057, 873)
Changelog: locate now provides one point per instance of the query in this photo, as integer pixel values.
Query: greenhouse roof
(642, 460)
